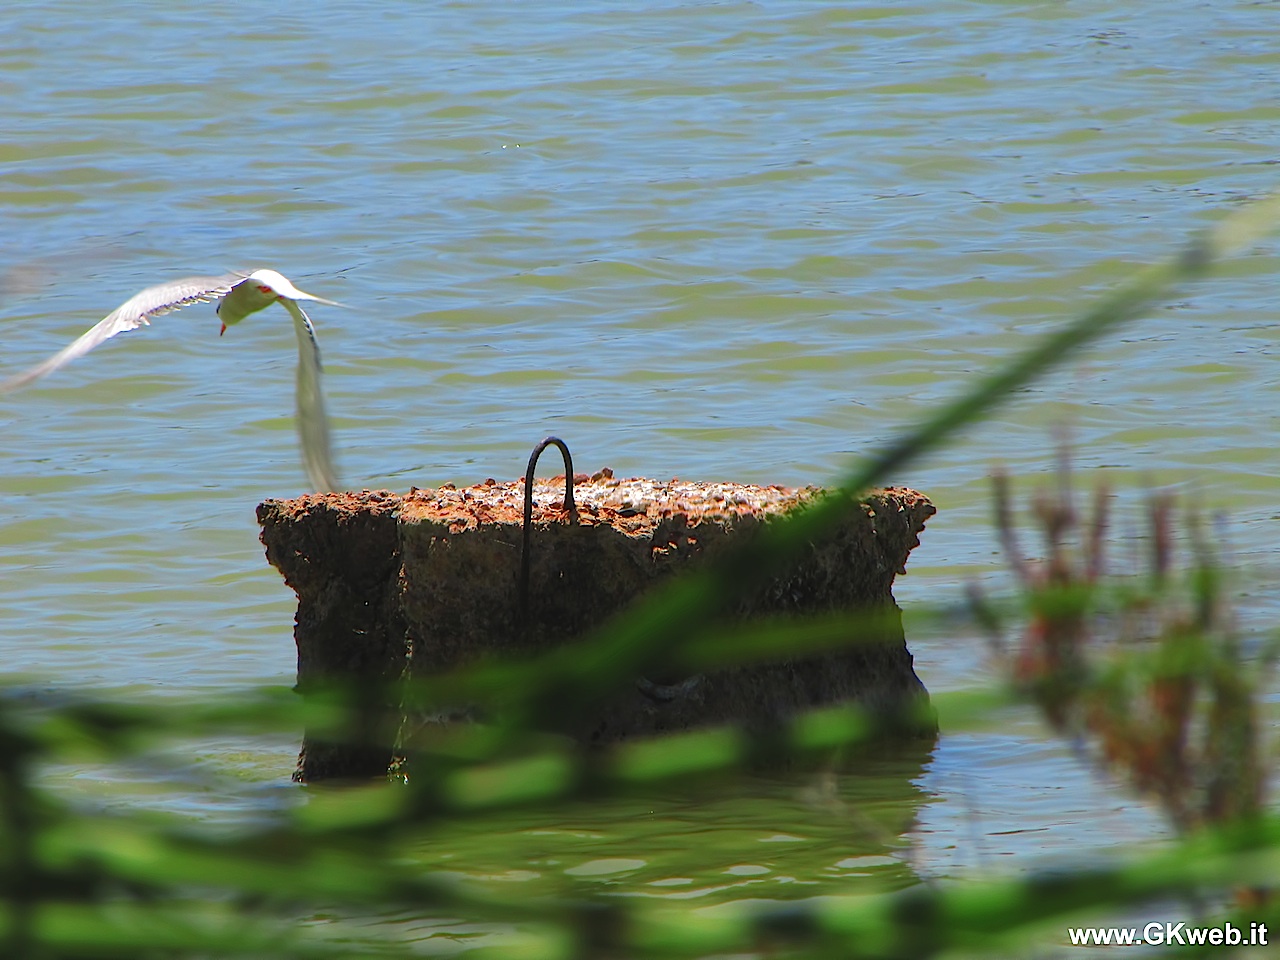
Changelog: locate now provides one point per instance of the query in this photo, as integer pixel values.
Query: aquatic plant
(1143, 671)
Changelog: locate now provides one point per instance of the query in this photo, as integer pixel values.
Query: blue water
(740, 241)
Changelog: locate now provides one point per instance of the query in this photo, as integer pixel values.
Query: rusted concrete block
(392, 585)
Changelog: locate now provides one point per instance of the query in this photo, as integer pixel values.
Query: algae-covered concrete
(395, 585)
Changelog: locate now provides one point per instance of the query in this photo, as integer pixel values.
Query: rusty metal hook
(528, 513)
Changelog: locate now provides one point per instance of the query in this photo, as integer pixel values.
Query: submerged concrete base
(395, 585)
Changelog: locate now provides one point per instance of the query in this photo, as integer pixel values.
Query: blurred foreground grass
(80, 882)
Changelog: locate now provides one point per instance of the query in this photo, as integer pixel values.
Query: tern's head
(258, 290)
(273, 286)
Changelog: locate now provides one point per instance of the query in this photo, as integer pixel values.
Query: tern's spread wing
(313, 422)
(135, 312)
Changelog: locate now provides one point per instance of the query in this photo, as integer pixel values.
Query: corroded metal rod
(528, 513)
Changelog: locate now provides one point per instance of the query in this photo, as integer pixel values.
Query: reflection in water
(820, 830)
(725, 841)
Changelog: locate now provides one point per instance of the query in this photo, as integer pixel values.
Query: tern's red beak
(223, 330)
